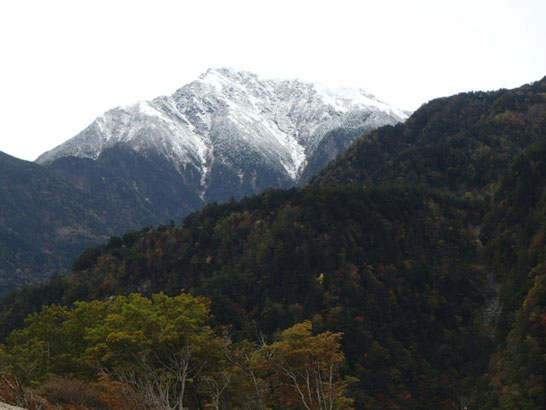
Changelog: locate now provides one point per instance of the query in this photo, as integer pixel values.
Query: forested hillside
(462, 143)
(395, 271)
(423, 246)
(490, 147)
(47, 220)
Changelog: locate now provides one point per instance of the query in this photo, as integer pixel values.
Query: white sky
(63, 63)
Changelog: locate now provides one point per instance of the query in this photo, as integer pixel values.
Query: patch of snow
(343, 99)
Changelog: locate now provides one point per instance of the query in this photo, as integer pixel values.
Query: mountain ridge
(227, 117)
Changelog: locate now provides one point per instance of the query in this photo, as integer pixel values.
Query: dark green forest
(51, 214)
(415, 262)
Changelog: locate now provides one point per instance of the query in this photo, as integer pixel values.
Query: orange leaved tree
(304, 369)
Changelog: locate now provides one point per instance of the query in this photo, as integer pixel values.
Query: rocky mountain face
(231, 133)
(226, 135)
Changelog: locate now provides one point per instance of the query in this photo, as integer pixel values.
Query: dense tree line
(164, 354)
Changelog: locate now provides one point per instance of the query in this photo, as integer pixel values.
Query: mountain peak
(236, 120)
(227, 72)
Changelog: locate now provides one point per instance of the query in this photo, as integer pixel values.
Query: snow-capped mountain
(231, 133)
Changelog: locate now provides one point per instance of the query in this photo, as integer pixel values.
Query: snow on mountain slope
(233, 123)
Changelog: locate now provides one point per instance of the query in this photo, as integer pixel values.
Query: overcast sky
(63, 63)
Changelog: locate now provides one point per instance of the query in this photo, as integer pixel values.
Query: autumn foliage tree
(164, 350)
(156, 345)
(305, 369)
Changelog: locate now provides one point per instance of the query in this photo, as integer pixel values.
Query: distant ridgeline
(424, 245)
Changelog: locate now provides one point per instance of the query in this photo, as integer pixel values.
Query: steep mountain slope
(490, 146)
(144, 182)
(516, 232)
(231, 134)
(45, 222)
(461, 143)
